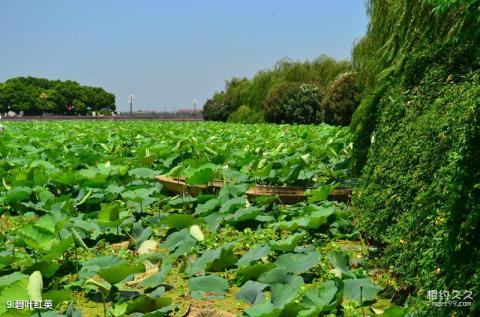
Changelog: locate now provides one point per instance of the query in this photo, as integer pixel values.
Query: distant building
(176, 114)
(189, 111)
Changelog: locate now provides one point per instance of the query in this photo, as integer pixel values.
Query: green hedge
(420, 189)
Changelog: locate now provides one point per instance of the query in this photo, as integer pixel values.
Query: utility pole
(131, 98)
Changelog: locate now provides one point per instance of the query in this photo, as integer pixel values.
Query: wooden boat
(287, 195)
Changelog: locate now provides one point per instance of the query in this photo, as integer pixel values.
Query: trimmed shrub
(292, 103)
(341, 99)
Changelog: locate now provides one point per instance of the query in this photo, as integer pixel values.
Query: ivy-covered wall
(417, 146)
(420, 189)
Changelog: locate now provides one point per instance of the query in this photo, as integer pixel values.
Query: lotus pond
(86, 228)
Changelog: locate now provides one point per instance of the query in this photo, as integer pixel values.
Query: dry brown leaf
(121, 245)
(150, 270)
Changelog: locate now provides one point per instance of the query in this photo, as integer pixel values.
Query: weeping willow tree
(404, 38)
(320, 72)
(399, 29)
(416, 136)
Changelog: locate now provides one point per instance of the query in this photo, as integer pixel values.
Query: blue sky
(169, 52)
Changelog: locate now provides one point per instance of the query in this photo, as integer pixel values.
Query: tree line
(322, 90)
(37, 96)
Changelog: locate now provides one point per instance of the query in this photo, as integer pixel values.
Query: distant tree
(79, 107)
(218, 108)
(36, 96)
(253, 92)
